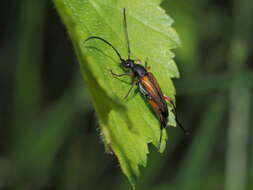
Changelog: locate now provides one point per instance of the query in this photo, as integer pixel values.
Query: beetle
(146, 82)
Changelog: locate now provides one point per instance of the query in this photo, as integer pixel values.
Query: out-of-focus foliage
(49, 137)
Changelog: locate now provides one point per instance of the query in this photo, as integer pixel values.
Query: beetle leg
(167, 98)
(137, 61)
(132, 85)
(146, 62)
(175, 112)
(120, 75)
(146, 65)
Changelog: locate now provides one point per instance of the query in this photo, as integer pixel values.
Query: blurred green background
(49, 137)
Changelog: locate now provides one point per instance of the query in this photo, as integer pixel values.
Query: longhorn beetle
(147, 83)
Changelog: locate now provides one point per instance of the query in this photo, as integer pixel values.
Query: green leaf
(127, 126)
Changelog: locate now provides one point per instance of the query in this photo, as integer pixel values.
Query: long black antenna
(126, 33)
(105, 41)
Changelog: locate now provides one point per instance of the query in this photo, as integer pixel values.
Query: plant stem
(28, 70)
(239, 98)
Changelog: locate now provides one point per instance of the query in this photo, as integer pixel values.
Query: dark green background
(49, 137)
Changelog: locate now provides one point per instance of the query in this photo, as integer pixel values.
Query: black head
(127, 63)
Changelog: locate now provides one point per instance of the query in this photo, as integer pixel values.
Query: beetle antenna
(126, 33)
(186, 132)
(108, 43)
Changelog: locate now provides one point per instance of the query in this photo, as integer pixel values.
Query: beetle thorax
(139, 70)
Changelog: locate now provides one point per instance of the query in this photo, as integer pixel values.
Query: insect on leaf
(127, 126)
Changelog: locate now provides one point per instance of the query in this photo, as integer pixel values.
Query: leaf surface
(127, 126)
